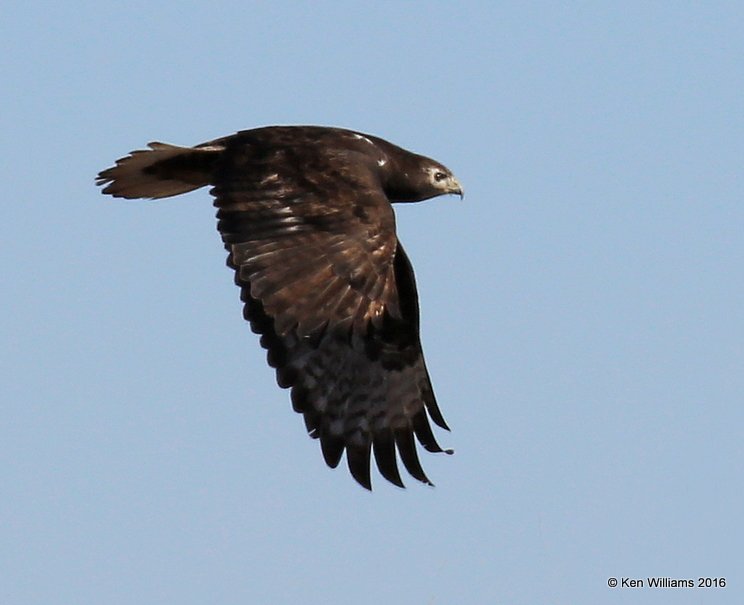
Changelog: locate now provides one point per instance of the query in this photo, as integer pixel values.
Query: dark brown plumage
(305, 215)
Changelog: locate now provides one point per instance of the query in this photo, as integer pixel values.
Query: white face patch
(442, 179)
(436, 174)
(381, 162)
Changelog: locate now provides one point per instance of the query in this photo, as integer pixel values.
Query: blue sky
(581, 308)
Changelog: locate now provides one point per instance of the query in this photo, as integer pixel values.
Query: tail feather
(161, 171)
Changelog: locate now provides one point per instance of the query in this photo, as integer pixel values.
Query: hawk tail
(161, 171)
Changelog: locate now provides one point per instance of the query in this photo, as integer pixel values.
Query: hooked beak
(456, 188)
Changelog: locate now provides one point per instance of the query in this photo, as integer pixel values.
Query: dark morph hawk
(305, 215)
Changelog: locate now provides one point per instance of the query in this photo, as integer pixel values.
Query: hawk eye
(439, 176)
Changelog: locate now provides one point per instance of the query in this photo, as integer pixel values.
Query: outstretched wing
(311, 236)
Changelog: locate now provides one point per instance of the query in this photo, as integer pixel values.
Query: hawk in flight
(305, 215)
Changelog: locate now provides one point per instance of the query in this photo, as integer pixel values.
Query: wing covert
(317, 250)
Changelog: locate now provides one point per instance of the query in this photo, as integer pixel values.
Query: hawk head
(441, 180)
(420, 178)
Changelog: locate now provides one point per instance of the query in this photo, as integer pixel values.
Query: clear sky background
(582, 308)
